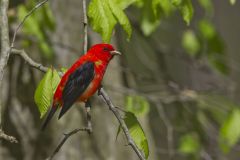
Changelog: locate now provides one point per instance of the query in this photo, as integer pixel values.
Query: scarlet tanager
(82, 79)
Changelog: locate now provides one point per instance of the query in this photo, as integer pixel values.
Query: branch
(32, 63)
(66, 136)
(85, 23)
(4, 59)
(123, 125)
(7, 137)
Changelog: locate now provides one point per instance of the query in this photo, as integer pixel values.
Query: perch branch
(115, 111)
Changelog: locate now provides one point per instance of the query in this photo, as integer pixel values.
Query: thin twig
(7, 137)
(85, 24)
(24, 19)
(66, 136)
(123, 125)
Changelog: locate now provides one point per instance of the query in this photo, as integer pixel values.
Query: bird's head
(104, 52)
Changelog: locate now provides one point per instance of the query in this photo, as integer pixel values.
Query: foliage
(189, 144)
(45, 90)
(104, 15)
(207, 5)
(186, 8)
(137, 133)
(230, 131)
(190, 42)
(37, 25)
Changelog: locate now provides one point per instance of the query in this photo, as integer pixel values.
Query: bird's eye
(105, 49)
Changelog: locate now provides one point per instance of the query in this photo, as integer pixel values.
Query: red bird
(82, 79)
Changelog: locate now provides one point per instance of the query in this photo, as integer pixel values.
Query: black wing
(76, 84)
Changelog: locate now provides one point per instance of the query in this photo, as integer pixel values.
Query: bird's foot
(99, 90)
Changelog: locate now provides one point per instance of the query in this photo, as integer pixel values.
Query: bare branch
(24, 19)
(123, 125)
(66, 136)
(4, 59)
(32, 63)
(7, 137)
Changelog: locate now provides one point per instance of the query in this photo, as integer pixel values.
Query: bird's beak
(115, 53)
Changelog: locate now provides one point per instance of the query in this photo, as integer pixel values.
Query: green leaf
(189, 144)
(45, 90)
(123, 4)
(31, 25)
(214, 46)
(149, 26)
(207, 5)
(37, 25)
(47, 17)
(176, 2)
(190, 43)
(230, 131)
(137, 133)
(150, 21)
(137, 105)
(219, 63)
(121, 17)
(232, 2)
(186, 8)
(64, 70)
(206, 29)
(104, 15)
(162, 5)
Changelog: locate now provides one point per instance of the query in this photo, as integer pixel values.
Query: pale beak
(115, 53)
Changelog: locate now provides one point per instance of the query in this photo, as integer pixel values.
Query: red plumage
(82, 79)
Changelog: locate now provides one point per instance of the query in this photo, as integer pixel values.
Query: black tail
(64, 109)
(49, 117)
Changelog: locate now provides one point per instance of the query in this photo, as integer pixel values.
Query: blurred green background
(179, 74)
